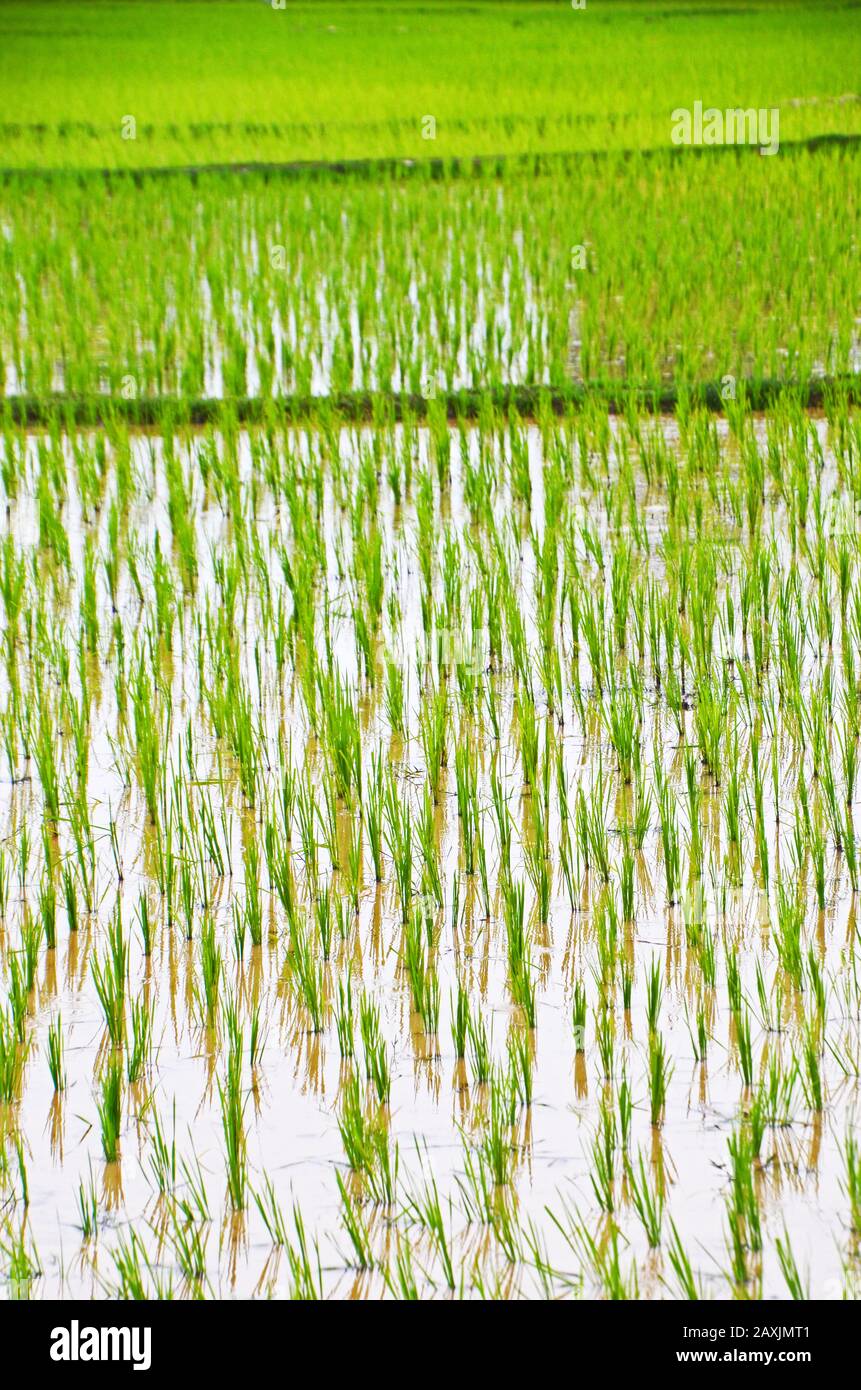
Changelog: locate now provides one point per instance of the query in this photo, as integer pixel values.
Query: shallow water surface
(252, 527)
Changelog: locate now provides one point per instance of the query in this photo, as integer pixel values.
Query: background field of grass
(232, 82)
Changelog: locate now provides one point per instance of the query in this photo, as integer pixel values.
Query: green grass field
(218, 82)
(241, 286)
(430, 656)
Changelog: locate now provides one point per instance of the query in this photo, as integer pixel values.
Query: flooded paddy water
(431, 851)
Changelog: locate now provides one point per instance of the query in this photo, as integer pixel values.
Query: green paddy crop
(110, 1109)
(507, 81)
(694, 312)
(428, 822)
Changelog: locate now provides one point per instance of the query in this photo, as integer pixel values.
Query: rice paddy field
(430, 703)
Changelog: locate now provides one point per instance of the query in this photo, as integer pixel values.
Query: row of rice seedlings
(730, 633)
(240, 299)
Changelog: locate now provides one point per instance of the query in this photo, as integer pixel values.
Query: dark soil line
(383, 407)
(454, 166)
